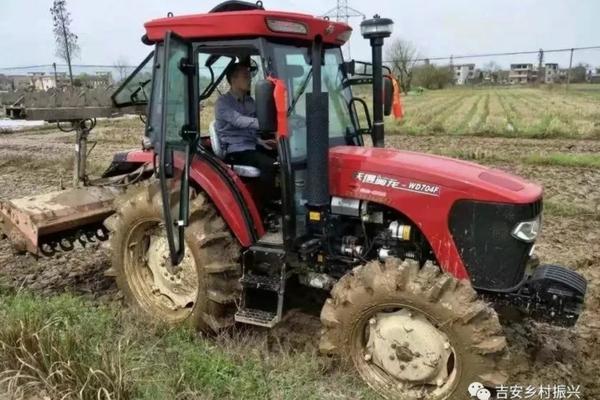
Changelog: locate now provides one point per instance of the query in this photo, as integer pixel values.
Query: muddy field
(40, 161)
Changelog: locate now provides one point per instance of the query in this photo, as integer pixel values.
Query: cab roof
(232, 22)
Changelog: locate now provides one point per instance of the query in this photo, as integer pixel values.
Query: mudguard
(226, 190)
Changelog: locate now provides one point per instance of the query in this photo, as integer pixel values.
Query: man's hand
(269, 144)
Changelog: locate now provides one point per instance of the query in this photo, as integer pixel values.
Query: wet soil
(40, 161)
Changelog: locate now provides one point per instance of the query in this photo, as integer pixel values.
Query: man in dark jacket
(237, 127)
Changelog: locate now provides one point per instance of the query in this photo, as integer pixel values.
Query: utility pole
(342, 13)
(55, 76)
(569, 73)
(540, 63)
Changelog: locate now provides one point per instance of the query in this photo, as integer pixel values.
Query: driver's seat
(246, 171)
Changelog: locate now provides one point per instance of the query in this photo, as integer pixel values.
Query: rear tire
(449, 317)
(204, 294)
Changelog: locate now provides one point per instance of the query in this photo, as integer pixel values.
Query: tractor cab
(190, 60)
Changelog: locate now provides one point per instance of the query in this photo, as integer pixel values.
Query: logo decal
(398, 184)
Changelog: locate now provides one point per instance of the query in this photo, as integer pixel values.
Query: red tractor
(412, 250)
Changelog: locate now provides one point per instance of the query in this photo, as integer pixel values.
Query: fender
(232, 199)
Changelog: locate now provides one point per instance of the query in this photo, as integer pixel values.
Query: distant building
(464, 73)
(491, 76)
(5, 83)
(551, 73)
(42, 82)
(100, 79)
(21, 82)
(593, 75)
(522, 73)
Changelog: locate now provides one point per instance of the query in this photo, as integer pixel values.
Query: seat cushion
(246, 171)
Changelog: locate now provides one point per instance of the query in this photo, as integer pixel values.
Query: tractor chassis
(552, 294)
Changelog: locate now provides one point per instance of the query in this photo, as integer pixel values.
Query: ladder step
(256, 317)
(262, 282)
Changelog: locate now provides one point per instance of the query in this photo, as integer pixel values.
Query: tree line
(404, 60)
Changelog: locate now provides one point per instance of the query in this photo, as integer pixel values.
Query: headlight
(528, 231)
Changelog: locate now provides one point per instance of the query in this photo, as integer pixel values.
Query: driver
(237, 127)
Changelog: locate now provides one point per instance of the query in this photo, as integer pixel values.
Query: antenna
(342, 13)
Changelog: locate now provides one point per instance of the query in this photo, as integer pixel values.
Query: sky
(109, 30)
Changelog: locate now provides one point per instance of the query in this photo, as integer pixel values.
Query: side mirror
(388, 96)
(266, 113)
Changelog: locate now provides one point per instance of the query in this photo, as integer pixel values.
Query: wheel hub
(408, 347)
(179, 290)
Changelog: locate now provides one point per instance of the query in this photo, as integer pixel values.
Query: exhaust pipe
(317, 138)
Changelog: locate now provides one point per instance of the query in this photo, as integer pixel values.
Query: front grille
(481, 231)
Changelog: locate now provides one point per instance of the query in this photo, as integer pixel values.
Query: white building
(551, 73)
(522, 73)
(594, 75)
(43, 82)
(463, 73)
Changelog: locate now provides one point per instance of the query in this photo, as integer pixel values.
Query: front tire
(413, 333)
(205, 290)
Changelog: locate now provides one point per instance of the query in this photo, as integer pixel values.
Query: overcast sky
(111, 29)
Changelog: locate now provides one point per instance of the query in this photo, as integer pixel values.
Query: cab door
(178, 135)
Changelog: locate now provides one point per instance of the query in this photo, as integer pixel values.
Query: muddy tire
(205, 292)
(455, 338)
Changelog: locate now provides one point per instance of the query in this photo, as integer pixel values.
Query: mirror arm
(367, 114)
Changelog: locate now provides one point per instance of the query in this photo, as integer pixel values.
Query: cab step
(263, 286)
(257, 317)
(270, 283)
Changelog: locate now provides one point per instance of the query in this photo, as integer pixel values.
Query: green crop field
(504, 111)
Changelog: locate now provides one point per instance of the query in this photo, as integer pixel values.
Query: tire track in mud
(80, 271)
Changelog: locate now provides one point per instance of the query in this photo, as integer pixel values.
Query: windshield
(292, 66)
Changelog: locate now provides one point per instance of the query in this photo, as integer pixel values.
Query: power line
(512, 53)
(27, 67)
(452, 57)
(65, 65)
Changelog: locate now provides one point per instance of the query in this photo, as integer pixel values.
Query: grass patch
(564, 159)
(470, 155)
(32, 162)
(63, 347)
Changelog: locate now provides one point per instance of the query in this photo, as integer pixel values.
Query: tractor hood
(388, 169)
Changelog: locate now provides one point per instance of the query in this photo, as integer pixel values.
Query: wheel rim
(400, 349)
(171, 297)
